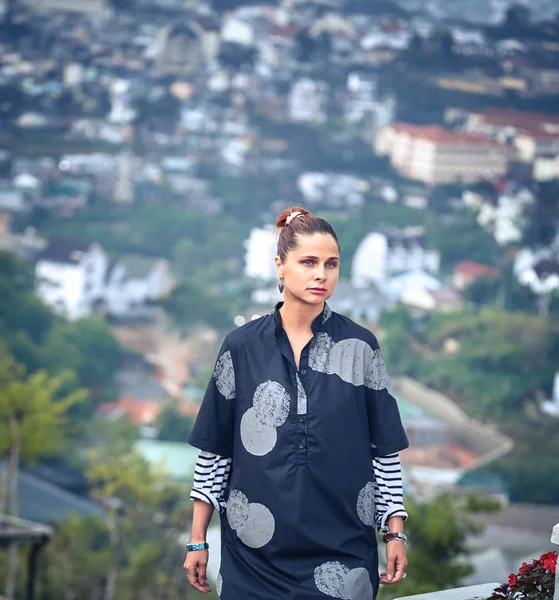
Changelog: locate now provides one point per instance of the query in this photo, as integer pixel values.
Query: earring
(281, 286)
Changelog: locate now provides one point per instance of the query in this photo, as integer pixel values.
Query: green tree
(468, 240)
(76, 559)
(33, 423)
(172, 425)
(437, 533)
(88, 348)
(190, 305)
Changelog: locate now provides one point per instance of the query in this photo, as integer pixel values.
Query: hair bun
(285, 218)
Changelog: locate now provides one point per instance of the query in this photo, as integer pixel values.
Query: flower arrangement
(534, 581)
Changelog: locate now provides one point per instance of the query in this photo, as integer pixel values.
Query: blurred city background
(146, 148)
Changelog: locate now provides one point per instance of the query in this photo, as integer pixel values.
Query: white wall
(71, 289)
(261, 248)
(61, 287)
(369, 261)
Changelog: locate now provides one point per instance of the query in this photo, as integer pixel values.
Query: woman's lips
(317, 290)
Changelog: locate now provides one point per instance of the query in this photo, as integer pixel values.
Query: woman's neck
(298, 316)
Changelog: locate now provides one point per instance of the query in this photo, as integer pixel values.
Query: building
(180, 48)
(124, 187)
(467, 272)
(133, 282)
(261, 248)
(537, 143)
(307, 101)
(383, 254)
(436, 155)
(506, 122)
(546, 168)
(70, 276)
(92, 8)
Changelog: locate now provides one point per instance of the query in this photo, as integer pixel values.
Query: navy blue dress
(300, 501)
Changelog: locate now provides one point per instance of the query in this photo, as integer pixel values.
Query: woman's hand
(195, 565)
(396, 563)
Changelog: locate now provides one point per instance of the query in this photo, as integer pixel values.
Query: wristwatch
(192, 547)
(388, 537)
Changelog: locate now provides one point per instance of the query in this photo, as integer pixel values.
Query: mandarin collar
(316, 326)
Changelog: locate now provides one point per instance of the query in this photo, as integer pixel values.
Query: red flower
(512, 580)
(523, 569)
(549, 561)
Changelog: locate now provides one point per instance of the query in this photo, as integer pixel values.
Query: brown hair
(303, 224)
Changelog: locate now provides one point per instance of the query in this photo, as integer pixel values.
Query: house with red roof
(468, 271)
(436, 155)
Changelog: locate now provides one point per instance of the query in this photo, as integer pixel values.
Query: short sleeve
(213, 429)
(385, 424)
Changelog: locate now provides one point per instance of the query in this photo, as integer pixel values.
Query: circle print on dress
(259, 528)
(271, 403)
(358, 585)
(237, 509)
(320, 352)
(224, 376)
(366, 504)
(377, 377)
(257, 438)
(330, 579)
(349, 359)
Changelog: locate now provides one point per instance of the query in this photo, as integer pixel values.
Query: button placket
(301, 422)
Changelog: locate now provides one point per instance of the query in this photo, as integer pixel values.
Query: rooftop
(440, 135)
(65, 250)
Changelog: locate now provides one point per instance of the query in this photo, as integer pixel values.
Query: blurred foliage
(38, 339)
(172, 425)
(437, 553)
(503, 368)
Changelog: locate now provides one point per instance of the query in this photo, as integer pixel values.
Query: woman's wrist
(395, 524)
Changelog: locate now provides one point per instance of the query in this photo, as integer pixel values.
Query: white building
(237, 31)
(541, 142)
(381, 255)
(73, 74)
(307, 101)
(546, 168)
(132, 282)
(506, 219)
(539, 270)
(261, 248)
(71, 276)
(93, 8)
(436, 155)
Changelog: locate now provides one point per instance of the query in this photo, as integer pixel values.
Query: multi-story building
(506, 122)
(93, 8)
(436, 155)
(71, 276)
(383, 254)
(537, 143)
(307, 101)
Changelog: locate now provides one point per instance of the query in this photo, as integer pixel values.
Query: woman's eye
(332, 265)
(308, 262)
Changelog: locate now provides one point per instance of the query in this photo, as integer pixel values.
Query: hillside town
(146, 148)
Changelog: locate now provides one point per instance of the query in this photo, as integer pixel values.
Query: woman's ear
(279, 266)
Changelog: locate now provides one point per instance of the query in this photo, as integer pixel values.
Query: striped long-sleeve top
(212, 474)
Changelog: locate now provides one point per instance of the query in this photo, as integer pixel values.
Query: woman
(299, 440)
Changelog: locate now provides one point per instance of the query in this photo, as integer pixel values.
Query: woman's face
(310, 271)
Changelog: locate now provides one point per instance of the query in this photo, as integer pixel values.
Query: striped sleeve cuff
(396, 510)
(211, 475)
(205, 497)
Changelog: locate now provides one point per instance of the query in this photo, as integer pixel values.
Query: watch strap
(388, 537)
(193, 547)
